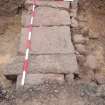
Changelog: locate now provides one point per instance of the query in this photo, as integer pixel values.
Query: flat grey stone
(48, 40)
(44, 64)
(56, 4)
(32, 80)
(47, 16)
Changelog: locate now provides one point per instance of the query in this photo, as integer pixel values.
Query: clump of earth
(10, 7)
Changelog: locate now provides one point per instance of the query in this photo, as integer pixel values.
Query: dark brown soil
(10, 7)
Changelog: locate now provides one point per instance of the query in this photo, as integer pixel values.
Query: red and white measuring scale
(28, 43)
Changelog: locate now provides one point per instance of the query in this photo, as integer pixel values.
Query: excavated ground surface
(9, 36)
(94, 11)
(81, 91)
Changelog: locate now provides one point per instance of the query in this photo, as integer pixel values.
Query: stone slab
(47, 16)
(32, 80)
(44, 64)
(54, 4)
(48, 40)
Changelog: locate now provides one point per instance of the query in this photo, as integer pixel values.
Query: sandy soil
(94, 11)
(96, 22)
(9, 35)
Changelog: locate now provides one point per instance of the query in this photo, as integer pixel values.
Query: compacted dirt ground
(94, 13)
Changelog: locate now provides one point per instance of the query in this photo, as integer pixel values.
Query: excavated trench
(91, 58)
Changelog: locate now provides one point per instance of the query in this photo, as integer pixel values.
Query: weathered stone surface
(48, 40)
(47, 16)
(44, 64)
(55, 4)
(32, 80)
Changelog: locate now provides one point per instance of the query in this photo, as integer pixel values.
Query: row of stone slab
(52, 54)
